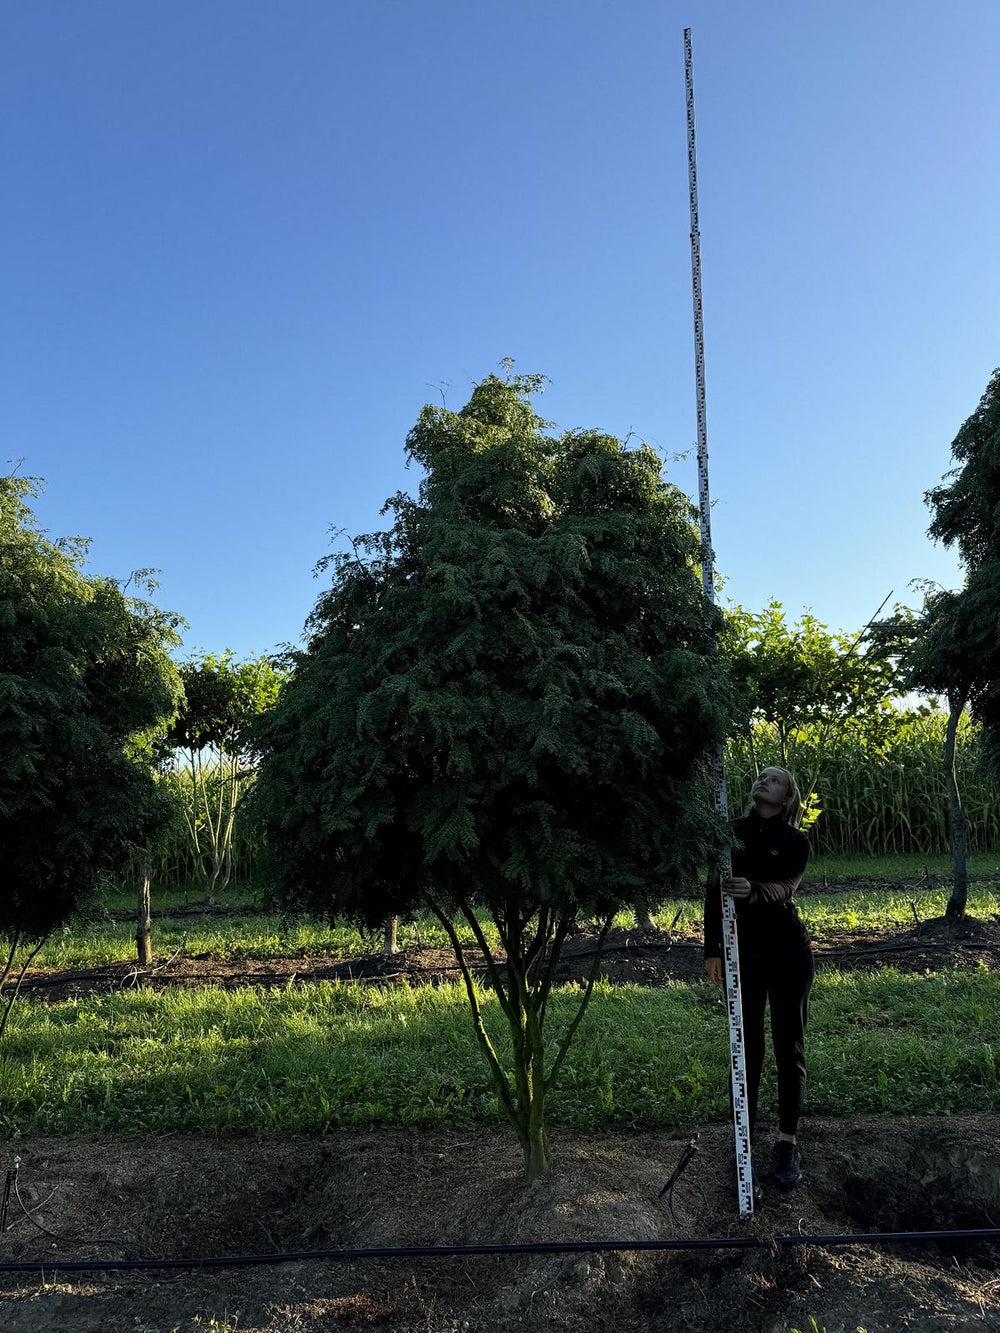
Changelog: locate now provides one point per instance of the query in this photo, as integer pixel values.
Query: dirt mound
(113, 1198)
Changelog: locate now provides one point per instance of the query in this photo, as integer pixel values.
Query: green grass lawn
(318, 1056)
(90, 943)
(324, 1055)
(894, 869)
(885, 909)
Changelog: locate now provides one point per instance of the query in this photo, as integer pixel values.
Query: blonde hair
(791, 806)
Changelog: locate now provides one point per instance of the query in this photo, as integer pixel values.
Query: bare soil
(647, 958)
(114, 1198)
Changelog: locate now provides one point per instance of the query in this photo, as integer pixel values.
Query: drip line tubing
(465, 1251)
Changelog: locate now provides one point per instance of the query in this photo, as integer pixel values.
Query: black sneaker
(786, 1172)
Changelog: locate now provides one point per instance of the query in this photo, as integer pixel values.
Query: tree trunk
(211, 878)
(959, 836)
(521, 985)
(144, 920)
(390, 944)
(537, 1162)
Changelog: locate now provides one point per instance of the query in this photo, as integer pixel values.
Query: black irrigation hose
(466, 1251)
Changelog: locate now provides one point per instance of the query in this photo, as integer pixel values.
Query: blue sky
(243, 242)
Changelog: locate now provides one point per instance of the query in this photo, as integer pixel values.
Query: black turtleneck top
(772, 856)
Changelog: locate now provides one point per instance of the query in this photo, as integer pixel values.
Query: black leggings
(784, 980)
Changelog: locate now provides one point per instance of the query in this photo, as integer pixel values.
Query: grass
(311, 1058)
(850, 868)
(90, 944)
(885, 909)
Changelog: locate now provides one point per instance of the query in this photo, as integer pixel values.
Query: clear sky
(243, 242)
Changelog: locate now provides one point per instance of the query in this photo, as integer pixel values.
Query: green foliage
(85, 683)
(804, 689)
(965, 512)
(209, 762)
(882, 799)
(507, 700)
(308, 1058)
(221, 698)
(874, 802)
(966, 647)
(794, 676)
(511, 696)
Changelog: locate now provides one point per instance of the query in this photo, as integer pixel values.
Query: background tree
(952, 647)
(212, 765)
(930, 648)
(84, 677)
(504, 707)
(967, 515)
(801, 685)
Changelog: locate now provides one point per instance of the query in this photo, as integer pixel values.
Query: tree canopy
(208, 739)
(802, 686)
(952, 645)
(803, 674)
(85, 680)
(506, 702)
(966, 650)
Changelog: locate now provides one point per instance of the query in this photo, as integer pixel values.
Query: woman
(776, 963)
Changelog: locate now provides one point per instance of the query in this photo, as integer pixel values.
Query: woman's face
(771, 788)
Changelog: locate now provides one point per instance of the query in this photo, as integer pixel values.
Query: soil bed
(640, 957)
(190, 1196)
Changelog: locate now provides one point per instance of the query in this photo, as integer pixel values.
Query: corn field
(892, 801)
(173, 860)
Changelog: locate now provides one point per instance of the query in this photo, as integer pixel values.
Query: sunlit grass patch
(886, 909)
(263, 937)
(324, 1055)
(94, 943)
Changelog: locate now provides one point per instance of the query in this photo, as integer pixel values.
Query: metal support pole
(741, 1126)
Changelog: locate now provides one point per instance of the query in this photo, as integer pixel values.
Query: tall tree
(952, 645)
(931, 649)
(504, 708)
(221, 698)
(967, 516)
(84, 679)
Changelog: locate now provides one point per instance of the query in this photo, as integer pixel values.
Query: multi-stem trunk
(212, 818)
(959, 836)
(522, 984)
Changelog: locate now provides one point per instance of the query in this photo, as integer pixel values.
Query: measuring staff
(776, 962)
(730, 941)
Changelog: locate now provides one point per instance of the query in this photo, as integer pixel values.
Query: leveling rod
(730, 942)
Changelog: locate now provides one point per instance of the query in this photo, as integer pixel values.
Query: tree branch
(506, 1004)
(500, 1080)
(571, 1030)
(10, 959)
(17, 986)
(543, 985)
